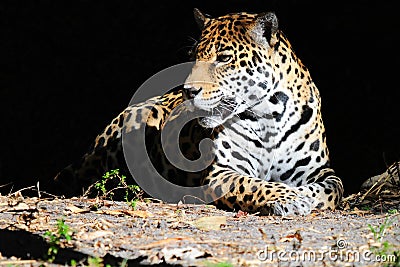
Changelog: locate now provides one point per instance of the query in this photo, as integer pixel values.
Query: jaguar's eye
(224, 58)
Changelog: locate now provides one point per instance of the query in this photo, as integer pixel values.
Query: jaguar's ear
(201, 19)
(267, 26)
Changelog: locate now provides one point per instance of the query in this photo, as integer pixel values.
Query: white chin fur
(211, 121)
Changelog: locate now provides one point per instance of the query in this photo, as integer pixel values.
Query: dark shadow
(28, 246)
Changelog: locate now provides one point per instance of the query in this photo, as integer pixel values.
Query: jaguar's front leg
(325, 189)
(241, 192)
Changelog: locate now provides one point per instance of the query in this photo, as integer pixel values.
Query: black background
(68, 67)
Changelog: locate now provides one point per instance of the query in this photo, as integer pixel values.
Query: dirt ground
(100, 233)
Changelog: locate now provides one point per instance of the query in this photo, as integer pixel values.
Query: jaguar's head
(233, 72)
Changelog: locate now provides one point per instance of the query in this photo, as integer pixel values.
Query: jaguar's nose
(189, 91)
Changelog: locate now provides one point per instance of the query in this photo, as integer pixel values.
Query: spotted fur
(263, 114)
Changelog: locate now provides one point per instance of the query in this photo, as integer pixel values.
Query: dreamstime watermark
(338, 253)
(134, 143)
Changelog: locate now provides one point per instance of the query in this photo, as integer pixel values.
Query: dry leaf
(96, 234)
(20, 206)
(358, 212)
(188, 253)
(290, 237)
(105, 224)
(210, 223)
(315, 230)
(162, 242)
(75, 209)
(138, 213)
(241, 213)
(264, 235)
(111, 212)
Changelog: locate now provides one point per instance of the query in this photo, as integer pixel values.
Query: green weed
(379, 231)
(54, 239)
(393, 211)
(119, 180)
(218, 264)
(386, 250)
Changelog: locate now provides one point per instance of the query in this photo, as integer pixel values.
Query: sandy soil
(160, 234)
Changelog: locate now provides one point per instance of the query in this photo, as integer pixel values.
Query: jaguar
(261, 109)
